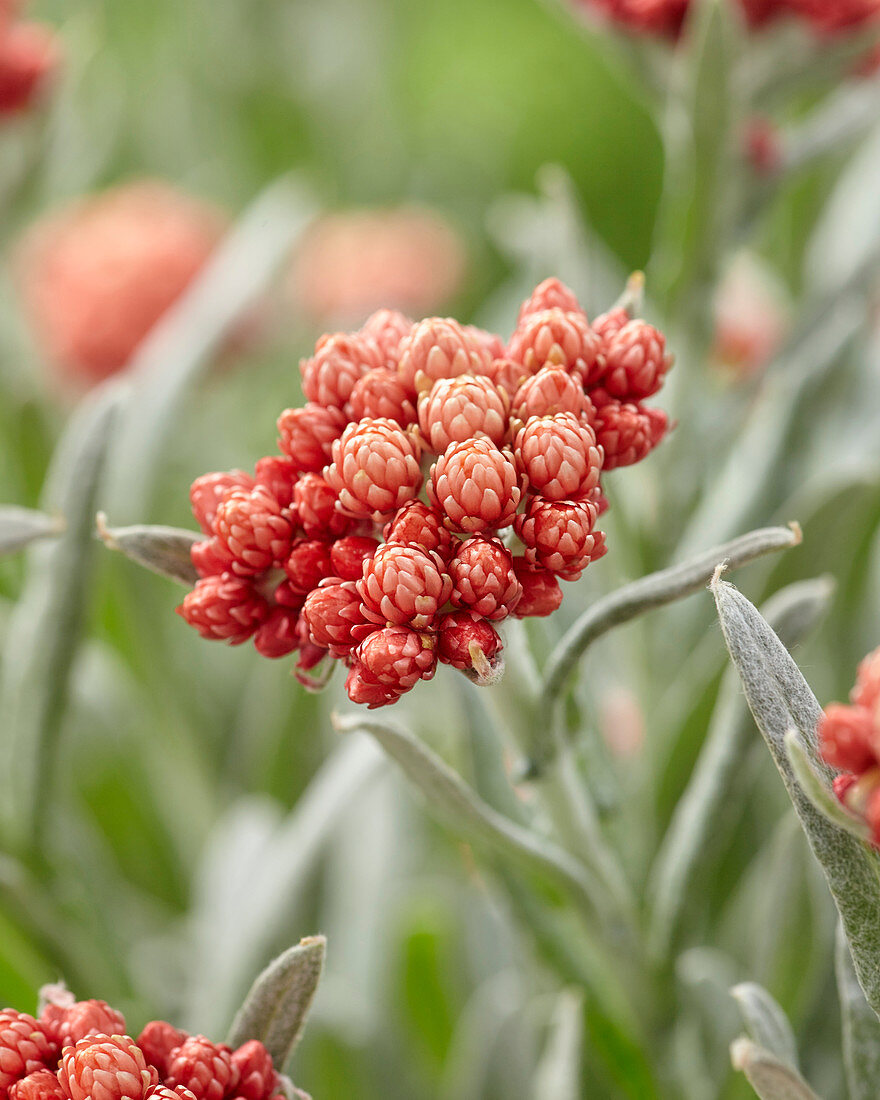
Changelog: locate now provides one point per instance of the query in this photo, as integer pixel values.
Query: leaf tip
(720, 570)
(797, 532)
(105, 534)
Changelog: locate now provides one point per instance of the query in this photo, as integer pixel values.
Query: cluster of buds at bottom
(667, 17)
(29, 56)
(78, 1050)
(437, 481)
(849, 739)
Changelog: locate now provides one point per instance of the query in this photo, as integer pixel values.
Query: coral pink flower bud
(404, 586)
(541, 594)
(339, 361)
(847, 738)
(347, 556)
(256, 1074)
(559, 536)
(382, 394)
(551, 294)
(607, 325)
(306, 435)
(558, 338)
(418, 525)
(483, 578)
(866, 692)
(252, 531)
(636, 362)
(42, 1085)
(507, 374)
(278, 475)
(308, 564)
(397, 657)
(157, 1041)
(106, 1067)
(387, 327)
(278, 636)
(67, 1024)
(208, 490)
(203, 1067)
(25, 1047)
(439, 347)
(559, 456)
(363, 689)
(762, 145)
(224, 608)
(96, 277)
(470, 644)
(627, 433)
(29, 55)
(285, 595)
(375, 468)
(476, 486)
(490, 342)
(162, 1092)
(552, 390)
(333, 618)
(462, 408)
(315, 502)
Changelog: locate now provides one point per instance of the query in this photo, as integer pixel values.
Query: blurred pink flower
(622, 722)
(667, 17)
(97, 275)
(752, 316)
(355, 262)
(29, 55)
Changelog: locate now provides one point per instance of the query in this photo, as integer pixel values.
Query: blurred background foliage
(203, 813)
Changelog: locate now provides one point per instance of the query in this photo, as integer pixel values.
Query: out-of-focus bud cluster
(78, 1050)
(96, 276)
(436, 482)
(29, 55)
(849, 737)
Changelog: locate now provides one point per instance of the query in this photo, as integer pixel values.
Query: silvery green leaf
(766, 1022)
(163, 550)
(819, 792)
(278, 1003)
(558, 1076)
(780, 699)
(770, 1078)
(861, 1028)
(19, 527)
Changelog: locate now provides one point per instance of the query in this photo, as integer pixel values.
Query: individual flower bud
(558, 338)
(541, 594)
(490, 342)
(277, 474)
(475, 486)
(469, 643)
(306, 435)
(224, 608)
(109, 1067)
(636, 362)
(29, 55)
(627, 433)
(559, 456)
(347, 556)
(339, 361)
(157, 1041)
(333, 617)
(382, 394)
(387, 327)
(866, 692)
(552, 390)
(278, 636)
(369, 693)
(559, 536)
(208, 490)
(203, 1067)
(314, 502)
(256, 1074)
(439, 347)
(551, 294)
(162, 1092)
(252, 531)
(462, 408)
(41, 1085)
(751, 317)
(209, 558)
(397, 657)
(375, 469)
(483, 578)
(403, 585)
(67, 1024)
(308, 564)
(25, 1047)
(507, 374)
(416, 524)
(847, 738)
(607, 325)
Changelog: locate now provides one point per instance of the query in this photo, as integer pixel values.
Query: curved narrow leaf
(163, 550)
(19, 527)
(861, 1028)
(770, 1078)
(558, 1076)
(780, 699)
(766, 1022)
(278, 1003)
(818, 791)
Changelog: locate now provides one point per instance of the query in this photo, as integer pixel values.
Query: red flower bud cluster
(849, 739)
(78, 1050)
(29, 55)
(435, 482)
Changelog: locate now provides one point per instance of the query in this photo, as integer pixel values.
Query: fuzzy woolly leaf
(558, 1076)
(19, 527)
(163, 550)
(276, 1007)
(780, 699)
(766, 1022)
(770, 1078)
(861, 1027)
